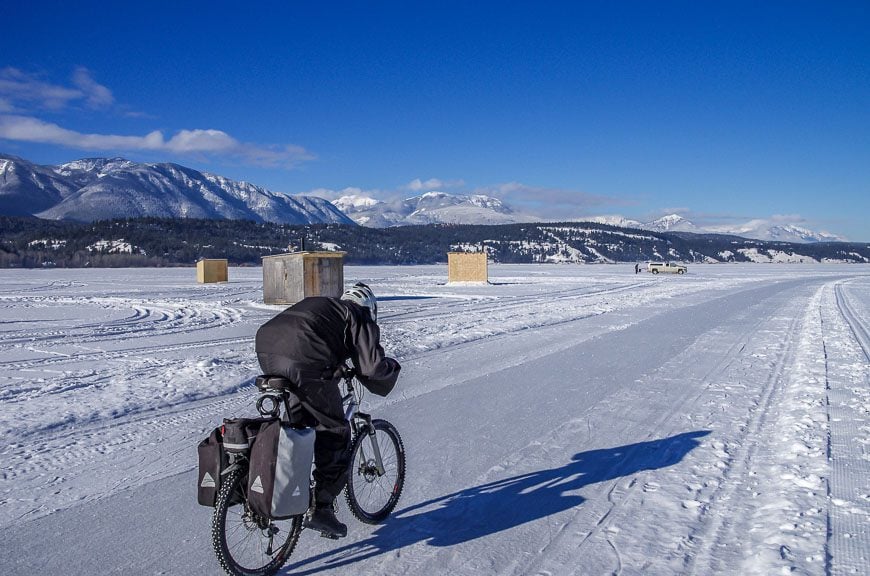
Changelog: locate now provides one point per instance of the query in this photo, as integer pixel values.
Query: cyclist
(308, 343)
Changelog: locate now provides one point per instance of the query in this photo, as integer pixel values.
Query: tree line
(31, 242)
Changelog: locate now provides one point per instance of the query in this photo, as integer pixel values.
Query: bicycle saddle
(268, 383)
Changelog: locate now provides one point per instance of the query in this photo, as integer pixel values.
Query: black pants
(322, 401)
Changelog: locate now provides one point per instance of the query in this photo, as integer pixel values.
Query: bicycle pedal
(329, 536)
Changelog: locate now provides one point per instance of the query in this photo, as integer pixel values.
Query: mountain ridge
(433, 207)
(105, 188)
(487, 210)
(96, 188)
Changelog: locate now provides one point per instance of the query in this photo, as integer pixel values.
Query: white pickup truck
(656, 267)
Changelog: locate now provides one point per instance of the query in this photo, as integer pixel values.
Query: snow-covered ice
(563, 419)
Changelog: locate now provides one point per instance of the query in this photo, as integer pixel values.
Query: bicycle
(249, 545)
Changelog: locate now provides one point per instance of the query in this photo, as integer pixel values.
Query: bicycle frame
(358, 421)
(353, 416)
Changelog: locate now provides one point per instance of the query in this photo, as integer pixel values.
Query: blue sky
(720, 111)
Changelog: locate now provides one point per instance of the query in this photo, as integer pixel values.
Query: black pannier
(239, 433)
(212, 460)
(236, 435)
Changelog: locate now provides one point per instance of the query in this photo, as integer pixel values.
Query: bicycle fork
(373, 440)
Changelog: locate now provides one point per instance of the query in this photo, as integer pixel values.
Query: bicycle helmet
(363, 295)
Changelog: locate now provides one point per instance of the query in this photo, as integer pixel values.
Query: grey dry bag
(280, 470)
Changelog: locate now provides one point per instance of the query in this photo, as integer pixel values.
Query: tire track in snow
(482, 305)
(467, 322)
(62, 464)
(782, 439)
(719, 525)
(121, 353)
(613, 527)
(168, 317)
(612, 493)
(619, 491)
(50, 287)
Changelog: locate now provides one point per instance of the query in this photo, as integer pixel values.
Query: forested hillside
(32, 242)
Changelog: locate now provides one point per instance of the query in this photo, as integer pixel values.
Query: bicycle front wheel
(247, 544)
(372, 495)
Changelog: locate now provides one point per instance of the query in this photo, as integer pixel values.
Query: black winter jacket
(312, 339)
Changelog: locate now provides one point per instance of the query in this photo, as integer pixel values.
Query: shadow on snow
(504, 504)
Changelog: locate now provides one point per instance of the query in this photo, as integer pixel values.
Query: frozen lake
(563, 419)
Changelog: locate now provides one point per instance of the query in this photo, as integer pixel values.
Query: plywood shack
(209, 270)
(467, 267)
(288, 278)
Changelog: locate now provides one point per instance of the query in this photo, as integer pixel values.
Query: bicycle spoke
(372, 496)
(242, 544)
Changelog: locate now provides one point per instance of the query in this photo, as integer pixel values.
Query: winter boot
(322, 518)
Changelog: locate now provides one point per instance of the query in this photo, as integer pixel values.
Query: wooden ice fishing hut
(209, 270)
(288, 278)
(467, 267)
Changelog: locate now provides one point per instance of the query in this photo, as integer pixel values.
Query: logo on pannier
(257, 486)
(207, 481)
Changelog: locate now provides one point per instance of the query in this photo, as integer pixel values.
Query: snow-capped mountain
(367, 211)
(26, 188)
(355, 202)
(440, 207)
(671, 223)
(430, 208)
(105, 188)
(619, 221)
(765, 230)
(754, 229)
(792, 233)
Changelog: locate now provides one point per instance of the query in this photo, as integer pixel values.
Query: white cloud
(286, 156)
(28, 129)
(788, 218)
(96, 95)
(547, 202)
(23, 91)
(207, 142)
(202, 141)
(329, 194)
(680, 210)
(418, 185)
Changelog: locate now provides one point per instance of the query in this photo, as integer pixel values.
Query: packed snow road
(561, 420)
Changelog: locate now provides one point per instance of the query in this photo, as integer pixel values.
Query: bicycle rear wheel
(245, 543)
(372, 496)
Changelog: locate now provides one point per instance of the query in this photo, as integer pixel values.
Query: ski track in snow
(847, 364)
(745, 450)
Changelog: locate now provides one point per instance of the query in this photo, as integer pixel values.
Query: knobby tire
(229, 509)
(364, 486)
